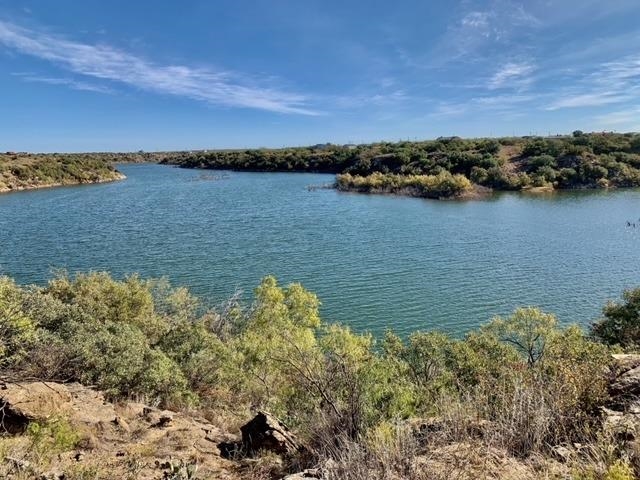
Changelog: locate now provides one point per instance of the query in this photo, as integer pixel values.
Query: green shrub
(17, 330)
(620, 324)
(620, 470)
(443, 184)
(54, 436)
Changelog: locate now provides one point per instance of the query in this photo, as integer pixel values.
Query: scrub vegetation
(582, 160)
(21, 171)
(522, 385)
(441, 168)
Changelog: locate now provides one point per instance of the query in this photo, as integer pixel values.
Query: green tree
(527, 329)
(620, 324)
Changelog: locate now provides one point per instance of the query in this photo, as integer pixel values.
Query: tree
(527, 329)
(620, 324)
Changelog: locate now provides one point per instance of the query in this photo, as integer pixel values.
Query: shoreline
(117, 177)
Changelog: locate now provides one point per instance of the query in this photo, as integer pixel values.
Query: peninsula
(24, 171)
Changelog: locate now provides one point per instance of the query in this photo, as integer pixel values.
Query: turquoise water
(374, 261)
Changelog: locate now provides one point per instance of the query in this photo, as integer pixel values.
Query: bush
(17, 330)
(444, 184)
(620, 324)
(55, 435)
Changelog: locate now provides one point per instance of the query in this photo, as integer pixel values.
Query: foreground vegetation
(523, 385)
(26, 171)
(594, 160)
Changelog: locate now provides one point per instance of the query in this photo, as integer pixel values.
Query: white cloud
(504, 104)
(479, 20)
(503, 101)
(109, 63)
(499, 23)
(609, 83)
(588, 100)
(622, 117)
(68, 82)
(385, 98)
(512, 75)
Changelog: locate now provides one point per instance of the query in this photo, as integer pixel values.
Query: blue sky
(123, 75)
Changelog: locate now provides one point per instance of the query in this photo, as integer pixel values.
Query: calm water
(374, 261)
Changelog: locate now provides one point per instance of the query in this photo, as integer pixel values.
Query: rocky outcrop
(21, 403)
(113, 439)
(625, 387)
(263, 433)
(266, 433)
(622, 412)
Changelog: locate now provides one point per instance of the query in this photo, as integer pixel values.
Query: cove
(376, 262)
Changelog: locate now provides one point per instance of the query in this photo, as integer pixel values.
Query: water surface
(374, 261)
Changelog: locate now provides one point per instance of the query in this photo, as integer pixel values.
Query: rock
(309, 474)
(623, 426)
(122, 424)
(157, 418)
(562, 453)
(21, 403)
(267, 433)
(231, 450)
(620, 414)
(90, 407)
(19, 464)
(627, 383)
(54, 475)
(88, 442)
(623, 362)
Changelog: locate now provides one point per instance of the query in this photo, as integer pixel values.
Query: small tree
(527, 329)
(620, 324)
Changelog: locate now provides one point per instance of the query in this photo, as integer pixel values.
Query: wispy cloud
(375, 99)
(504, 104)
(503, 101)
(609, 83)
(68, 82)
(621, 117)
(108, 63)
(477, 20)
(475, 29)
(512, 75)
(595, 99)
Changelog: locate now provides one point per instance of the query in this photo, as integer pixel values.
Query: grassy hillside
(27, 171)
(594, 160)
(521, 397)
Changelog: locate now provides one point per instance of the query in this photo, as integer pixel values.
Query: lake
(374, 261)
